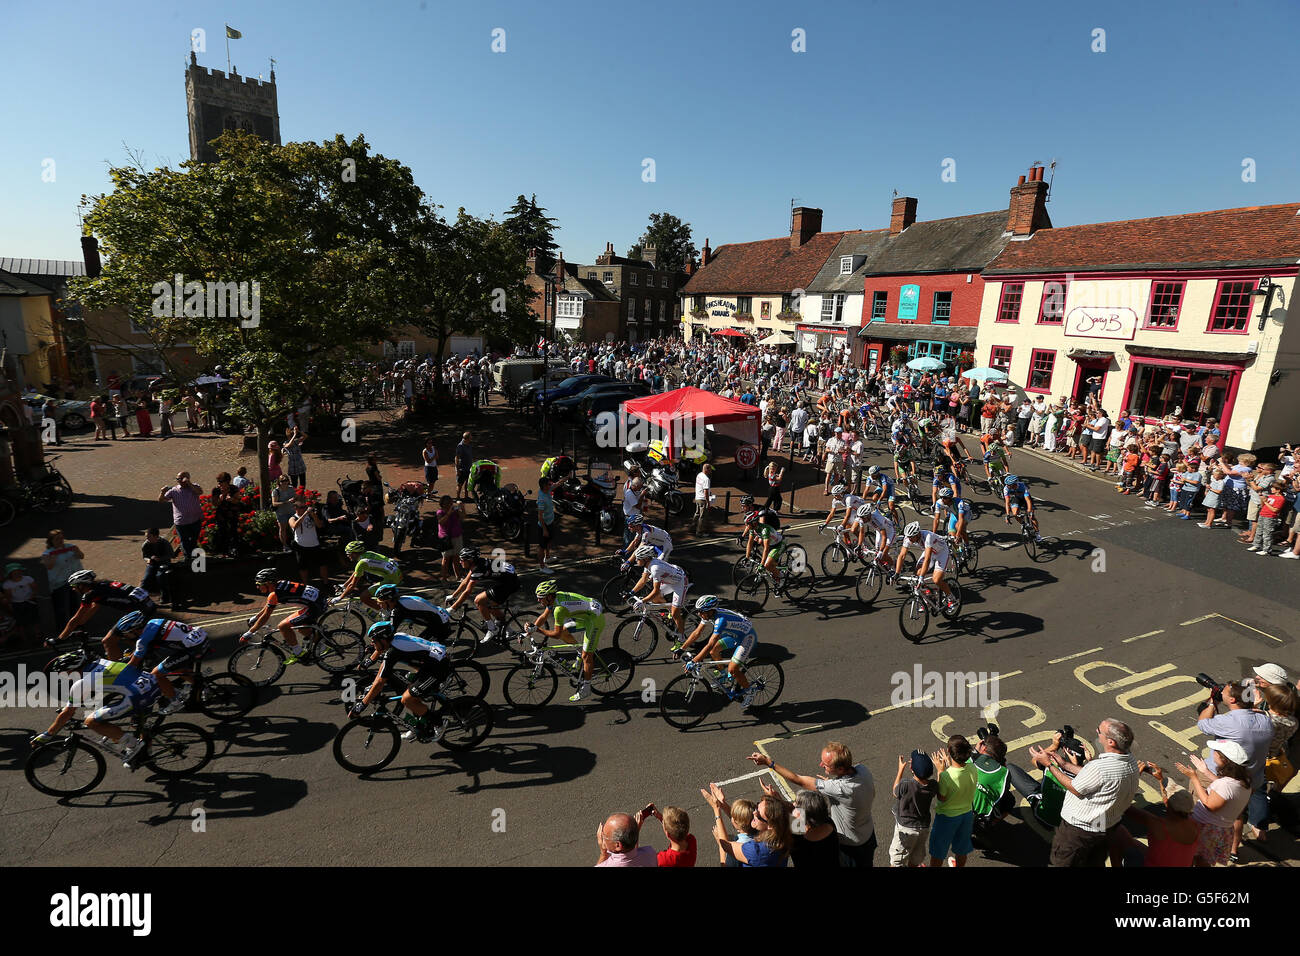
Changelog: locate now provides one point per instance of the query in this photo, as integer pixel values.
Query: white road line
(1091, 650)
(1130, 640)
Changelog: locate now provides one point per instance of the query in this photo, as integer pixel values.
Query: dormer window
(846, 265)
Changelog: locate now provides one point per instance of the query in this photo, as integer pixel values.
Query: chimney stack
(649, 253)
(805, 223)
(606, 257)
(532, 261)
(689, 268)
(1027, 212)
(90, 255)
(706, 254)
(903, 214)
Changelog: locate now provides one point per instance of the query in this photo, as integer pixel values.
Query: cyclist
(997, 460)
(840, 495)
(1015, 494)
(180, 646)
(951, 444)
(114, 594)
(773, 544)
(646, 533)
(904, 462)
(668, 582)
(885, 533)
(310, 599)
(578, 615)
(409, 610)
(958, 512)
(934, 557)
(880, 489)
(729, 633)
(369, 564)
(432, 665)
(139, 693)
(496, 581)
(943, 478)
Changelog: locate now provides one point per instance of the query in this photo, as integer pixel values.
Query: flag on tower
(232, 34)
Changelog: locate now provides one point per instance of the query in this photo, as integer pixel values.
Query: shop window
(1041, 364)
(1197, 394)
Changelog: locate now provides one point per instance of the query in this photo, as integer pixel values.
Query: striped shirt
(1107, 785)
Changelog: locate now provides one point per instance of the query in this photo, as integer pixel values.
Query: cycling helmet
(267, 576)
(838, 491)
(940, 471)
(129, 622)
(354, 548)
(751, 517)
(926, 422)
(71, 661)
(912, 530)
(634, 521)
(380, 631)
(945, 494)
(707, 602)
(469, 554)
(865, 510)
(82, 577)
(873, 471)
(644, 552)
(1010, 480)
(387, 592)
(547, 589)
(746, 501)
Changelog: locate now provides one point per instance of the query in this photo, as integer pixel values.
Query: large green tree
(321, 228)
(672, 241)
(532, 229)
(465, 277)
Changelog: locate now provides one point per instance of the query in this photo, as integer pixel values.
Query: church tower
(217, 102)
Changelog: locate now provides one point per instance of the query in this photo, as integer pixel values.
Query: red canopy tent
(732, 332)
(671, 411)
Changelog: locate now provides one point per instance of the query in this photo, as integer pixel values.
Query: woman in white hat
(1220, 804)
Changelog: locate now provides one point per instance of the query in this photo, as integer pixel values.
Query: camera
(1213, 686)
(986, 732)
(1067, 733)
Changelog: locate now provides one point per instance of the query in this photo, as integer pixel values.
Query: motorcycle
(406, 520)
(505, 508)
(661, 486)
(586, 498)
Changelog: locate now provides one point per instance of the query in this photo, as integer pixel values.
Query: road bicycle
(73, 763)
(909, 489)
(614, 596)
(840, 553)
(688, 699)
(532, 683)
(792, 555)
(262, 660)
(925, 601)
(369, 743)
(348, 614)
(639, 635)
(795, 585)
(468, 639)
(875, 575)
(965, 554)
(465, 677)
(1028, 536)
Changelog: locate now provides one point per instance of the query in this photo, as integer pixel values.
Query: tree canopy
(532, 229)
(672, 241)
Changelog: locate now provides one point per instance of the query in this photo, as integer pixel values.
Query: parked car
(570, 386)
(528, 391)
(508, 375)
(568, 407)
(72, 414)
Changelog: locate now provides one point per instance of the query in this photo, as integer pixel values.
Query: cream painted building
(1183, 316)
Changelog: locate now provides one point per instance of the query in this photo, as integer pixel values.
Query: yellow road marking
(1071, 657)
(1198, 620)
(996, 677)
(1130, 640)
(1249, 628)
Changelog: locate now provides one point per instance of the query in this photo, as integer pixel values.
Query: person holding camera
(307, 525)
(1251, 729)
(1096, 799)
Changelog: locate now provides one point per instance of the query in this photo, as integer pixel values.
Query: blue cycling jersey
(174, 633)
(1018, 490)
(886, 484)
(728, 626)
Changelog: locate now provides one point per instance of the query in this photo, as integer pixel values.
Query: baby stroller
(351, 492)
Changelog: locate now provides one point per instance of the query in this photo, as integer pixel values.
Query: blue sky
(736, 122)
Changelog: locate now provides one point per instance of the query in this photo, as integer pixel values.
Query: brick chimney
(689, 268)
(649, 253)
(903, 215)
(606, 257)
(532, 262)
(706, 254)
(90, 255)
(559, 270)
(1027, 212)
(805, 223)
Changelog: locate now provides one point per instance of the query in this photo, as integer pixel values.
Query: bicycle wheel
(52, 498)
(65, 768)
(342, 619)
(614, 595)
(869, 583)
(7, 510)
(799, 586)
(175, 750)
(464, 645)
(260, 663)
(972, 552)
(835, 560)
(467, 678)
(951, 614)
(768, 677)
(338, 651)
(637, 636)
(226, 696)
(674, 503)
(686, 701)
(795, 556)
(367, 744)
(743, 568)
(466, 722)
(1031, 546)
(753, 590)
(914, 618)
(611, 671)
(530, 686)
(512, 529)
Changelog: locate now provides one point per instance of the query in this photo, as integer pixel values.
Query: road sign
(747, 456)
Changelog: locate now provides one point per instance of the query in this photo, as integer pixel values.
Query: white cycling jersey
(938, 545)
(667, 576)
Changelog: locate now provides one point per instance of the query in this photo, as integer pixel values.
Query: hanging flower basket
(964, 360)
(788, 316)
(743, 316)
(898, 354)
(699, 313)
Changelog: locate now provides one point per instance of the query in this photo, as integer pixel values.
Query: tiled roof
(957, 244)
(852, 244)
(768, 266)
(1254, 235)
(11, 284)
(43, 267)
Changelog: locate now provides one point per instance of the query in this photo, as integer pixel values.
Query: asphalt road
(1119, 612)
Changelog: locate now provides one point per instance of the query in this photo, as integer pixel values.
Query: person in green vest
(484, 477)
(993, 797)
(1064, 757)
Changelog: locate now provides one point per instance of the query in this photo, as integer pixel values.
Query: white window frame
(839, 307)
(828, 308)
(607, 278)
(846, 265)
(631, 310)
(632, 279)
(663, 282)
(406, 350)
